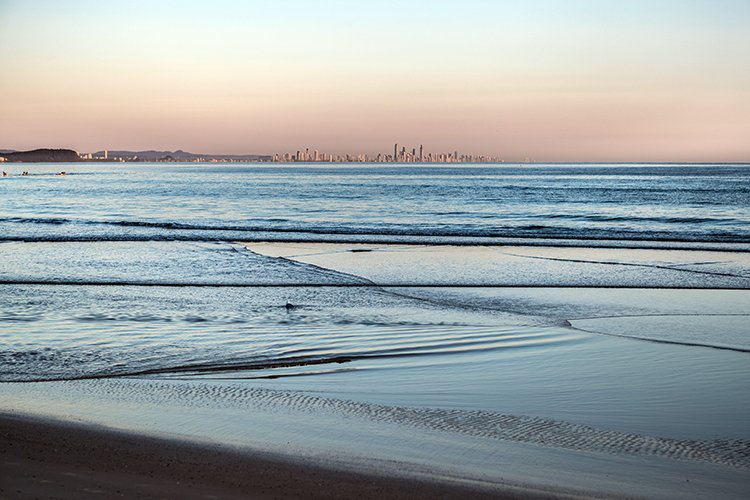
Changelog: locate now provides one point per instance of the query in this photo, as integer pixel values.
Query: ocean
(573, 316)
(693, 204)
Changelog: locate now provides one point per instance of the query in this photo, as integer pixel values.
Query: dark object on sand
(358, 250)
(289, 306)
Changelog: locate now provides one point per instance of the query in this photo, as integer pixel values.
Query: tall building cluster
(402, 155)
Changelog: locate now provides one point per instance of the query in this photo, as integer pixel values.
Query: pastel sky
(554, 80)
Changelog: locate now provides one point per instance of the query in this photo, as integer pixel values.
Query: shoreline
(42, 457)
(242, 236)
(263, 438)
(595, 389)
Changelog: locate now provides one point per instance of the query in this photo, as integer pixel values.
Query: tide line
(32, 282)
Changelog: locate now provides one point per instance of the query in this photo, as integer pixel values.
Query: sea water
(589, 309)
(197, 202)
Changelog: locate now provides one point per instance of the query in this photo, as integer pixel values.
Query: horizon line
(525, 160)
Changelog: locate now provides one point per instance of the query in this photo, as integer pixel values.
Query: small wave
(347, 284)
(652, 328)
(139, 318)
(630, 264)
(35, 220)
(336, 350)
(443, 231)
(63, 230)
(741, 245)
(16, 318)
(638, 219)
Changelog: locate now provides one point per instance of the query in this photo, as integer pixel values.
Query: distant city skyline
(553, 80)
(403, 155)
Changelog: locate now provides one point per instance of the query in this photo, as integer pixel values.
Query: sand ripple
(475, 423)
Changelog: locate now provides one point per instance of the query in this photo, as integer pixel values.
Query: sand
(51, 459)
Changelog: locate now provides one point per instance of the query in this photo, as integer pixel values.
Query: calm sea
(597, 204)
(130, 283)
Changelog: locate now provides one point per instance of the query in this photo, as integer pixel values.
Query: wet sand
(51, 459)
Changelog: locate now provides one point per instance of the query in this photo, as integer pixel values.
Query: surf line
(352, 285)
(661, 341)
(631, 264)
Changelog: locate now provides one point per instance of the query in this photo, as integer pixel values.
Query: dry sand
(48, 459)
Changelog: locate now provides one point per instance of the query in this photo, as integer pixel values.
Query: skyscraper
(395, 152)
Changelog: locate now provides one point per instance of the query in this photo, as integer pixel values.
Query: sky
(551, 80)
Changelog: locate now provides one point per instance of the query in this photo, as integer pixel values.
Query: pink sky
(624, 81)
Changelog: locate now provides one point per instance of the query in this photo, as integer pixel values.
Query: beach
(388, 397)
(68, 460)
(375, 250)
(140, 349)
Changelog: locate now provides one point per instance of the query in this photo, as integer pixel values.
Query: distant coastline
(69, 155)
(49, 155)
(40, 155)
